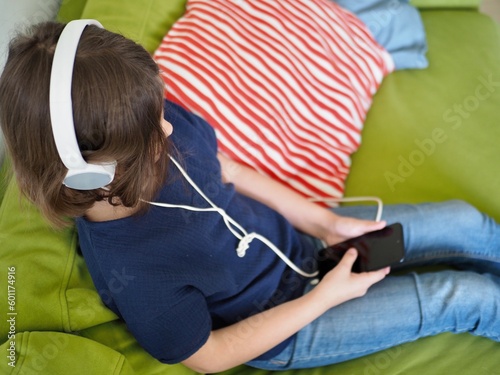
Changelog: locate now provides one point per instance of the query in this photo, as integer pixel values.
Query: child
(203, 285)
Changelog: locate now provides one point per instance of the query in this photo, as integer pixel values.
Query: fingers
(376, 276)
(349, 258)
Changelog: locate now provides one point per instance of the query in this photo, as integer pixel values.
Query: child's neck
(103, 211)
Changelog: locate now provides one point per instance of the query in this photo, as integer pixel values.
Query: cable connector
(244, 244)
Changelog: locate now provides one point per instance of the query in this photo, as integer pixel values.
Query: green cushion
(145, 22)
(48, 269)
(433, 134)
(71, 10)
(446, 3)
(115, 335)
(4, 177)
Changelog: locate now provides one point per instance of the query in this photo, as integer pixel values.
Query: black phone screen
(376, 250)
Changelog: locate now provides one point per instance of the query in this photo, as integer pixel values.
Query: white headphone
(81, 175)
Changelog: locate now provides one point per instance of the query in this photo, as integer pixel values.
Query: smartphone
(376, 250)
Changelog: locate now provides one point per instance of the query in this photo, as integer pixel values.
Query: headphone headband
(81, 175)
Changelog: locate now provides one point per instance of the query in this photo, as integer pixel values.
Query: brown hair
(117, 106)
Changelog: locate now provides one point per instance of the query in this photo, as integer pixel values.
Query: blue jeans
(406, 307)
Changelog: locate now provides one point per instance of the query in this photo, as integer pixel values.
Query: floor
(492, 8)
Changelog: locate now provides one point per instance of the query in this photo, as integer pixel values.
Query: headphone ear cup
(92, 176)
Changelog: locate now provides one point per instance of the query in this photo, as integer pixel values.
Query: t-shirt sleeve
(190, 124)
(178, 332)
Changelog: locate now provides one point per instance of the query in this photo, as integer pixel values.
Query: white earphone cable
(240, 233)
(380, 205)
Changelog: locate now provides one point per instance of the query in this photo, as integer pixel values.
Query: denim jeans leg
(401, 309)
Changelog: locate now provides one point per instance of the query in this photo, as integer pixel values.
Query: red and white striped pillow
(286, 84)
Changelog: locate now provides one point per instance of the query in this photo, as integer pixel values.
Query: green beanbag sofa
(430, 135)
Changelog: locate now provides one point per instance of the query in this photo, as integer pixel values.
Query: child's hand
(341, 284)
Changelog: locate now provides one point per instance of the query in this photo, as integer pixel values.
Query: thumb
(375, 225)
(349, 258)
(363, 226)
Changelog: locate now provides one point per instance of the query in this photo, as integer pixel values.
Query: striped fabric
(285, 83)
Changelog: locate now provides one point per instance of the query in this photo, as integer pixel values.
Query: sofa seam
(119, 365)
(25, 347)
(65, 315)
(144, 21)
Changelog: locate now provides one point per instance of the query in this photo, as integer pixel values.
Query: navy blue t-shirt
(173, 275)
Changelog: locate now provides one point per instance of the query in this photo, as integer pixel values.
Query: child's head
(117, 107)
